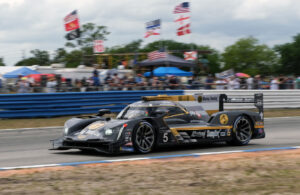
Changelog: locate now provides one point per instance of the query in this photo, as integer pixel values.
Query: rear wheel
(143, 137)
(242, 131)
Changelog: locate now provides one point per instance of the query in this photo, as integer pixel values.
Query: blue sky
(38, 24)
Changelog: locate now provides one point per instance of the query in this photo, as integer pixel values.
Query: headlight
(108, 132)
(66, 130)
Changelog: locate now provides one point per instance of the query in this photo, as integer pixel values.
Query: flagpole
(161, 38)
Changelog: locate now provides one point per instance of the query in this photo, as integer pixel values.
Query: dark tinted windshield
(140, 111)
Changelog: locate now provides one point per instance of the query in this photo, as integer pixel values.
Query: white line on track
(148, 158)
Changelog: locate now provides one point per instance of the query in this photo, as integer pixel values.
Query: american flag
(71, 17)
(182, 8)
(153, 28)
(156, 55)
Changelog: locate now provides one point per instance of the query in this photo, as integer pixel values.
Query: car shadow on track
(161, 151)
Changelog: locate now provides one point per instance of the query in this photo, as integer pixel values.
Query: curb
(147, 158)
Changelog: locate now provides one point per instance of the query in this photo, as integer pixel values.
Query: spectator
(274, 84)
(96, 72)
(236, 83)
(208, 82)
(220, 84)
(243, 83)
(174, 82)
(194, 83)
(116, 80)
(131, 83)
(256, 81)
(51, 85)
(107, 79)
(155, 83)
(282, 80)
(290, 83)
(250, 83)
(23, 85)
(96, 81)
(231, 83)
(138, 79)
(297, 83)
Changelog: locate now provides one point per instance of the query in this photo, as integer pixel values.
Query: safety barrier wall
(59, 104)
(75, 103)
(272, 98)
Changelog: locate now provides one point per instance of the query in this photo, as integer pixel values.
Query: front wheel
(144, 137)
(242, 131)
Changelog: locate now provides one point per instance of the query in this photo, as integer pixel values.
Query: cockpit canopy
(151, 109)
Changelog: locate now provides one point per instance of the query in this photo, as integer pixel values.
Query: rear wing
(258, 101)
(211, 103)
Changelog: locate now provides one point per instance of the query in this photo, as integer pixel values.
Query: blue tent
(24, 71)
(165, 71)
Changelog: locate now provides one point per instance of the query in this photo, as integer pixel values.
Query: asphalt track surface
(30, 147)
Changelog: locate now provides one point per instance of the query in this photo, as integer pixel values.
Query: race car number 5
(165, 137)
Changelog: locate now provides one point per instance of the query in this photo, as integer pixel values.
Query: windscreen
(132, 112)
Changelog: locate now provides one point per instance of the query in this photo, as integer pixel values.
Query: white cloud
(261, 9)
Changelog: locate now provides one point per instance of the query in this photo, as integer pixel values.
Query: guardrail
(75, 103)
(272, 98)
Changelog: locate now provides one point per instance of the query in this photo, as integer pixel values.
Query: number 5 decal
(165, 137)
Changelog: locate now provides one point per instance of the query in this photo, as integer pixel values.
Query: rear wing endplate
(257, 100)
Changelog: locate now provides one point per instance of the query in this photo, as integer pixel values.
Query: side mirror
(102, 112)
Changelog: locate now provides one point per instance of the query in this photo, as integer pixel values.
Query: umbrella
(37, 77)
(164, 71)
(24, 71)
(240, 74)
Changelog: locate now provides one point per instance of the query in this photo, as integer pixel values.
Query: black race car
(165, 120)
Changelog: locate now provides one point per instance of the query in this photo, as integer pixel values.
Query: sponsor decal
(128, 144)
(198, 134)
(213, 133)
(200, 99)
(96, 126)
(210, 98)
(127, 149)
(81, 136)
(259, 123)
(228, 132)
(223, 119)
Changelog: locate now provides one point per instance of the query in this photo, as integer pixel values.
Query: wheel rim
(144, 137)
(244, 131)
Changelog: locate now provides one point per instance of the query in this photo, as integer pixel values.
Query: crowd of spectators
(139, 82)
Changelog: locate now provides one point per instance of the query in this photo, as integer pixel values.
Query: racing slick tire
(242, 131)
(144, 137)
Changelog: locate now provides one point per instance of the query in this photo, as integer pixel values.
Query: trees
(247, 55)
(290, 56)
(40, 57)
(84, 44)
(88, 33)
(1, 62)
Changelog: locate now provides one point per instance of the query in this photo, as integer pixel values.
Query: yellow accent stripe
(210, 112)
(259, 126)
(174, 115)
(174, 132)
(172, 98)
(200, 128)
